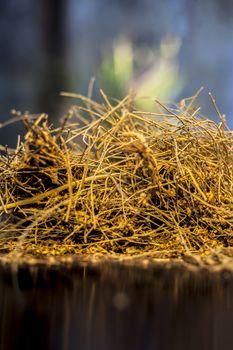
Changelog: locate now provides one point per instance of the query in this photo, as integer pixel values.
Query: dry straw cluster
(127, 182)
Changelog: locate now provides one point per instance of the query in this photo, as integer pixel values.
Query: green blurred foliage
(147, 73)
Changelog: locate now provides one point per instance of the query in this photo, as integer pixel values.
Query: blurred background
(159, 49)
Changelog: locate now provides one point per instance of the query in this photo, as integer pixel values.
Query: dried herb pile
(115, 180)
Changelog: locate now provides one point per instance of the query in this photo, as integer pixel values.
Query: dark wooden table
(115, 306)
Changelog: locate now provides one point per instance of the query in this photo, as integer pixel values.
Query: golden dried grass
(125, 183)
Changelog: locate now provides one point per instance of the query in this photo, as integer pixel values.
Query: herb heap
(126, 183)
